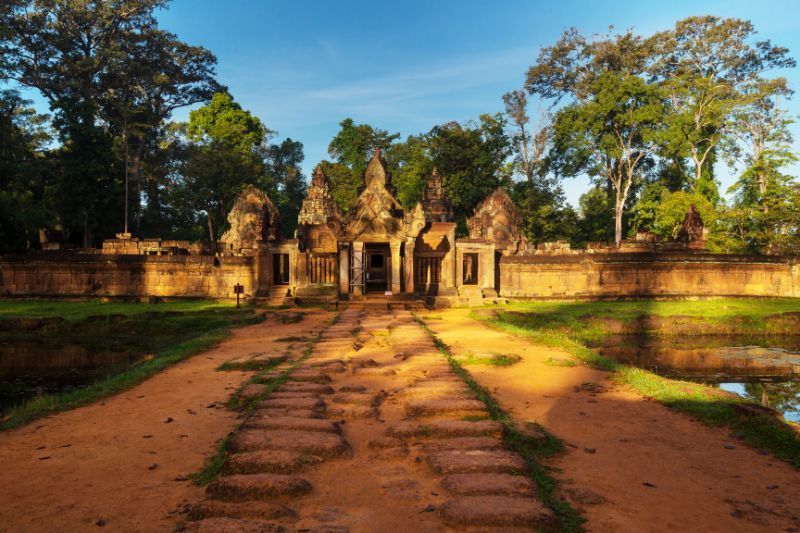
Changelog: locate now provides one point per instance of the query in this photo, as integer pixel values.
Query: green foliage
(596, 215)
(671, 209)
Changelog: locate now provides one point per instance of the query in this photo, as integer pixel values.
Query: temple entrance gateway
(377, 267)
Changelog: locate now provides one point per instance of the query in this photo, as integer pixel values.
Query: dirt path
(91, 466)
(632, 464)
(373, 432)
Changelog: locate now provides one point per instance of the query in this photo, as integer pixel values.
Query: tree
(283, 166)
(471, 159)
(704, 63)
(596, 209)
(64, 49)
(225, 148)
(411, 165)
(611, 135)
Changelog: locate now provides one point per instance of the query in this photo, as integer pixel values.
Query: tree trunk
(210, 229)
(618, 222)
(136, 162)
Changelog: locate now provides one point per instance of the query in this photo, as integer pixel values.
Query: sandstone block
(238, 488)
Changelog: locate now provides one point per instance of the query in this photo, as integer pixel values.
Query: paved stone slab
(462, 443)
(431, 407)
(292, 403)
(260, 421)
(297, 413)
(258, 510)
(300, 386)
(353, 388)
(476, 461)
(325, 445)
(356, 398)
(352, 412)
(446, 428)
(497, 511)
(240, 487)
(233, 525)
(269, 461)
(253, 390)
(489, 484)
(312, 376)
(293, 394)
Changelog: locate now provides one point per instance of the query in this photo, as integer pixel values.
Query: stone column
(409, 267)
(358, 268)
(344, 269)
(395, 247)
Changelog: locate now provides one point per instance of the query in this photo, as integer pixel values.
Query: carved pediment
(497, 219)
(253, 218)
(318, 206)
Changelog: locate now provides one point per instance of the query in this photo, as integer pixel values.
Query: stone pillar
(261, 281)
(395, 248)
(344, 269)
(409, 267)
(358, 268)
(488, 267)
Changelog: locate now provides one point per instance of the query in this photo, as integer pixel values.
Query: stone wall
(72, 274)
(631, 275)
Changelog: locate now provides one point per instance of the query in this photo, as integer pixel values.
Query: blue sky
(302, 67)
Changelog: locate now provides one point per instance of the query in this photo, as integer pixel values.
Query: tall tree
(283, 166)
(704, 63)
(225, 150)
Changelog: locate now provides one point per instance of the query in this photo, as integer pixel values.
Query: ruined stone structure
(379, 248)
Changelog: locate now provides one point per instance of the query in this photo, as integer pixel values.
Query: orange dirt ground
(617, 441)
(334, 448)
(91, 466)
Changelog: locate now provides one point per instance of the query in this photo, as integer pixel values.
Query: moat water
(30, 368)
(765, 369)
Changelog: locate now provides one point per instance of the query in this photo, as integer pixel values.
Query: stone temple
(380, 250)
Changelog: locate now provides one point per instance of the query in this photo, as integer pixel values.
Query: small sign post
(238, 289)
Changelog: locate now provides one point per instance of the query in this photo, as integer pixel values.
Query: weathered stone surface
(269, 461)
(258, 510)
(252, 391)
(259, 421)
(296, 413)
(353, 388)
(233, 525)
(356, 398)
(462, 443)
(293, 394)
(476, 461)
(292, 403)
(237, 488)
(312, 376)
(430, 407)
(310, 442)
(498, 511)
(253, 218)
(445, 428)
(352, 411)
(498, 220)
(299, 386)
(483, 484)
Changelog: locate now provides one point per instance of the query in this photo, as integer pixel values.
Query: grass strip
(518, 441)
(54, 403)
(754, 425)
(216, 462)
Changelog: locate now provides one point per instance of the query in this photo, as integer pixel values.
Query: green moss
(77, 310)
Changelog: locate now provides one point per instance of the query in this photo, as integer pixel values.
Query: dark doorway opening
(280, 269)
(377, 267)
(497, 257)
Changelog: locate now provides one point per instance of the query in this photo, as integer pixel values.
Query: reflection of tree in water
(783, 397)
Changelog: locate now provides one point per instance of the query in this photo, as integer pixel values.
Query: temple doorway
(377, 267)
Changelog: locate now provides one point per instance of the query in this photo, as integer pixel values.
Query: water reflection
(763, 369)
(29, 368)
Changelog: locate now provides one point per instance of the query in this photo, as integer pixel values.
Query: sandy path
(699, 483)
(91, 466)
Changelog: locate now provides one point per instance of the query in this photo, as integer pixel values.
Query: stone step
(292, 403)
(488, 484)
(299, 386)
(247, 487)
(312, 376)
(446, 428)
(296, 413)
(260, 421)
(452, 407)
(477, 461)
(497, 511)
(462, 443)
(269, 461)
(326, 445)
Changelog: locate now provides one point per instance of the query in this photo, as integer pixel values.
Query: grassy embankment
(164, 333)
(573, 326)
